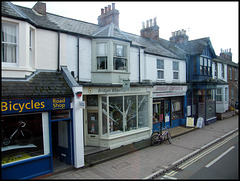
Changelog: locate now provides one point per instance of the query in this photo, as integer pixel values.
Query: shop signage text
(32, 105)
(169, 88)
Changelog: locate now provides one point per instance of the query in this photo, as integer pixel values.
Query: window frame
(160, 69)
(103, 55)
(16, 44)
(121, 58)
(175, 71)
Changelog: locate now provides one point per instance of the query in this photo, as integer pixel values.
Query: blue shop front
(169, 106)
(34, 133)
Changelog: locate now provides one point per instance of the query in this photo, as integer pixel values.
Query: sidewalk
(152, 160)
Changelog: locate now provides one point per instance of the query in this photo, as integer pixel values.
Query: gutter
(58, 56)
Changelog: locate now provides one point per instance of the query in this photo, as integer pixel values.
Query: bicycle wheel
(23, 137)
(154, 140)
(169, 138)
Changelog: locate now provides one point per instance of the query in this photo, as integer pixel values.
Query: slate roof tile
(43, 84)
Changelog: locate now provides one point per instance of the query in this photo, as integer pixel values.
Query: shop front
(114, 116)
(36, 133)
(201, 102)
(169, 106)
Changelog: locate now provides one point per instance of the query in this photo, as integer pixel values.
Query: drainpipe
(139, 67)
(78, 58)
(58, 65)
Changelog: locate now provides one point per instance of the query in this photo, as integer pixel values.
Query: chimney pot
(155, 21)
(143, 25)
(147, 23)
(109, 7)
(102, 11)
(150, 22)
(106, 9)
(113, 6)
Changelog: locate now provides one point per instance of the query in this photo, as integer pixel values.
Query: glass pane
(102, 63)
(115, 114)
(160, 74)
(175, 75)
(104, 115)
(63, 134)
(101, 49)
(175, 65)
(119, 64)
(22, 137)
(142, 111)
(130, 112)
(92, 122)
(160, 64)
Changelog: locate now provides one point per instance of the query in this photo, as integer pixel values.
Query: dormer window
(9, 48)
(120, 57)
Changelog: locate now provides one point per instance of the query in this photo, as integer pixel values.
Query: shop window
(24, 137)
(158, 111)
(92, 122)
(125, 113)
(115, 114)
(92, 100)
(131, 112)
(120, 57)
(142, 111)
(177, 108)
(9, 47)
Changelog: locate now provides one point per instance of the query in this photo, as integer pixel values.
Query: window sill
(124, 134)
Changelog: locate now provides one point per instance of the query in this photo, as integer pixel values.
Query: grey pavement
(154, 160)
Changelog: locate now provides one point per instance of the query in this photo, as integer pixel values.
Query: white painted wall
(85, 59)
(151, 69)
(47, 49)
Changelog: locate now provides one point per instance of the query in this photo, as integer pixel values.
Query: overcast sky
(217, 20)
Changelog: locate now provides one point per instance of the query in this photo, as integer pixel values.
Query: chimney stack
(110, 15)
(179, 36)
(226, 54)
(40, 8)
(151, 31)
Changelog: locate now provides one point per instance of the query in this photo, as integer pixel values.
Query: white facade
(222, 91)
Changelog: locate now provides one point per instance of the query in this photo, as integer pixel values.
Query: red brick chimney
(40, 8)
(226, 54)
(179, 36)
(110, 15)
(151, 31)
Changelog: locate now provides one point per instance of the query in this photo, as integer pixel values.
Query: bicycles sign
(33, 105)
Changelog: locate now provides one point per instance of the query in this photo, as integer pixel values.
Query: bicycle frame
(159, 137)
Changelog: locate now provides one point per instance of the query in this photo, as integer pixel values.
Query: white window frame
(121, 56)
(11, 43)
(31, 47)
(160, 69)
(100, 54)
(219, 94)
(175, 71)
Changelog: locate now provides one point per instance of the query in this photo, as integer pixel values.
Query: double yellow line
(183, 166)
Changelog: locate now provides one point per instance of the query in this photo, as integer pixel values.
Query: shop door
(92, 135)
(61, 141)
(167, 111)
(158, 110)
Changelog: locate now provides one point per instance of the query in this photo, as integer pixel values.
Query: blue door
(64, 150)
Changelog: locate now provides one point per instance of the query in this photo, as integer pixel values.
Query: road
(220, 161)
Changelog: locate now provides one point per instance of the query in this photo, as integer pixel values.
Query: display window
(158, 112)
(177, 108)
(24, 136)
(124, 113)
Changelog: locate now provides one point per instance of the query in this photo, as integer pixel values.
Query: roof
(60, 23)
(42, 84)
(225, 61)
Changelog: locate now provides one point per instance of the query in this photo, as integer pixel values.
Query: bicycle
(158, 137)
(21, 135)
